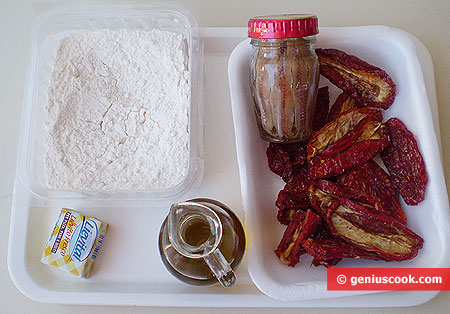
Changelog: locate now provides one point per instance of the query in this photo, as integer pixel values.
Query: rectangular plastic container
(49, 30)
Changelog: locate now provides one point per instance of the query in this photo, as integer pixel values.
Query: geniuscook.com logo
(83, 240)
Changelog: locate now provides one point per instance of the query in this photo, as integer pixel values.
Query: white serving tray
(394, 51)
(129, 270)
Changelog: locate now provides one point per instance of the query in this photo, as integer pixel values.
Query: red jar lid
(283, 26)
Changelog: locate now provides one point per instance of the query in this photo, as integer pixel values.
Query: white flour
(118, 111)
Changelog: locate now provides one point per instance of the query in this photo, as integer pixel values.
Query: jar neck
(281, 42)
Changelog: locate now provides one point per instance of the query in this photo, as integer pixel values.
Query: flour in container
(118, 111)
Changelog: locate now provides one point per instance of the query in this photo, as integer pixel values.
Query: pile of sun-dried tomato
(338, 202)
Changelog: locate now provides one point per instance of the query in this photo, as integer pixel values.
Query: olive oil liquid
(197, 231)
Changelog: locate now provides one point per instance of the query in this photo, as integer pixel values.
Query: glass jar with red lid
(284, 75)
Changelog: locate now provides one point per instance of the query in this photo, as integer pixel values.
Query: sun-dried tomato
(287, 242)
(327, 250)
(369, 85)
(372, 179)
(348, 159)
(320, 200)
(279, 161)
(300, 228)
(373, 231)
(344, 102)
(322, 106)
(327, 263)
(348, 141)
(293, 197)
(358, 218)
(285, 215)
(322, 231)
(286, 160)
(322, 193)
(405, 163)
(337, 128)
(297, 154)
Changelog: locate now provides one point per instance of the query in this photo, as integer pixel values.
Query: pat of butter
(74, 243)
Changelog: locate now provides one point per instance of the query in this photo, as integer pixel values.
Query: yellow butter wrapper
(74, 243)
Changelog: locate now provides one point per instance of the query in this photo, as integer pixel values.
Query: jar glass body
(284, 75)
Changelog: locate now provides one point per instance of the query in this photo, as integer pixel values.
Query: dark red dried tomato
(405, 163)
(279, 161)
(286, 160)
(300, 228)
(320, 198)
(356, 155)
(322, 231)
(297, 154)
(344, 102)
(326, 263)
(348, 141)
(372, 179)
(336, 129)
(293, 197)
(322, 106)
(335, 248)
(373, 231)
(322, 193)
(370, 86)
(287, 242)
